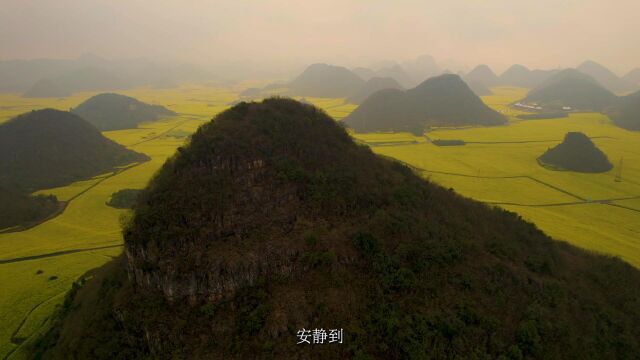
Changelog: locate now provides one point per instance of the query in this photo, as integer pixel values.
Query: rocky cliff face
(256, 196)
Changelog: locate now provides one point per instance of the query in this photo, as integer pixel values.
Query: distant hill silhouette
(115, 111)
(421, 68)
(322, 80)
(440, 101)
(521, 76)
(573, 89)
(90, 72)
(399, 74)
(46, 88)
(371, 86)
(91, 79)
(516, 75)
(18, 208)
(604, 76)
(576, 153)
(479, 88)
(272, 219)
(482, 74)
(626, 112)
(633, 77)
(251, 93)
(50, 148)
(364, 73)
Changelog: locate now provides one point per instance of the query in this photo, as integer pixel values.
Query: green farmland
(496, 165)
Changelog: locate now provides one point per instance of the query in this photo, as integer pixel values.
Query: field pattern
(498, 166)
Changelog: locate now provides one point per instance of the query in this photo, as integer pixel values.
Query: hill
(273, 220)
(576, 153)
(516, 75)
(322, 80)
(115, 112)
(440, 101)
(371, 86)
(604, 76)
(482, 74)
(45, 88)
(18, 209)
(49, 148)
(571, 88)
(626, 112)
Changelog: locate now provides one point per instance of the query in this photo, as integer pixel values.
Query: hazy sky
(537, 33)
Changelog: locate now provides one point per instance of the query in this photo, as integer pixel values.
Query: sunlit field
(497, 166)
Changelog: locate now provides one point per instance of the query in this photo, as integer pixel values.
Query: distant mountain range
(90, 72)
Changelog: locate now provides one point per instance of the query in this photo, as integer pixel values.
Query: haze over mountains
(272, 219)
(626, 112)
(322, 80)
(90, 72)
(440, 101)
(373, 85)
(606, 77)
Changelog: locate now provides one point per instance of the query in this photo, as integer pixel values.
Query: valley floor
(497, 166)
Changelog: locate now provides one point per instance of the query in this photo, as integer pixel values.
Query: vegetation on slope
(115, 112)
(49, 148)
(124, 199)
(272, 219)
(440, 101)
(576, 153)
(18, 209)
